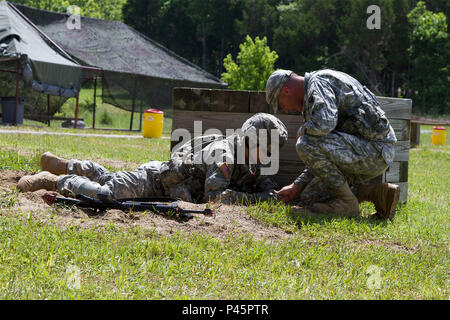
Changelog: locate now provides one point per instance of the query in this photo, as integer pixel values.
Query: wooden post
(48, 109)
(95, 102)
(17, 92)
(415, 134)
(76, 112)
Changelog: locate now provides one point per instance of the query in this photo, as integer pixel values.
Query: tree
(198, 30)
(255, 63)
(306, 35)
(366, 49)
(259, 18)
(397, 53)
(429, 54)
(214, 20)
(144, 16)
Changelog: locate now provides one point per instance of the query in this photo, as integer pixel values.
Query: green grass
(325, 257)
(136, 264)
(120, 119)
(124, 149)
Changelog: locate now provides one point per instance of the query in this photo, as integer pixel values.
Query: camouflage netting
(136, 70)
(44, 68)
(35, 103)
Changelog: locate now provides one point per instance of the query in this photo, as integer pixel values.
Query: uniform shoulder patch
(225, 170)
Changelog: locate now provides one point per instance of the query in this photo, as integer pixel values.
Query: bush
(105, 118)
(255, 63)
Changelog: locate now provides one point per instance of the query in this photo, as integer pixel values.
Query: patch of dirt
(228, 220)
(9, 179)
(396, 247)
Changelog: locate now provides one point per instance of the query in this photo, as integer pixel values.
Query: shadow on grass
(309, 217)
(293, 218)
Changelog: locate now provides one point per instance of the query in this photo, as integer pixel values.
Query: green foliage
(102, 9)
(306, 34)
(105, 118)
(427, 26)
(429, 56)
(259, 18)
(144, 16)
(255, 63)
(198, 30)
(310, 35)
(408, 57)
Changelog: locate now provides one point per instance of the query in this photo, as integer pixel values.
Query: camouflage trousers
(339, 157)
(92, 179)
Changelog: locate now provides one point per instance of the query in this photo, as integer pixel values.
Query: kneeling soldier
(346, 141)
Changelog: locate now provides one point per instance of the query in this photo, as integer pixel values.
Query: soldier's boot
(345, 203)
(43, 180)
(53, 164)
(384, 196)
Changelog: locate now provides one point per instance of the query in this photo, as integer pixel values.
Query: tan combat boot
(345, 203)
(384, 196)
(43, 180)
(53, 164)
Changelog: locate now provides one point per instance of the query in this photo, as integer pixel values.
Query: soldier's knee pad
(93, 190)
(104, 192)
(85, 187)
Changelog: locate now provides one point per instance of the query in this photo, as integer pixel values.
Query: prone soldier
(186, 176)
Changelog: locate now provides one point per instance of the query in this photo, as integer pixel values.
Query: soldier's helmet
(266, 122)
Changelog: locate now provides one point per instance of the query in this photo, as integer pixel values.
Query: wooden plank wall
(228, 109)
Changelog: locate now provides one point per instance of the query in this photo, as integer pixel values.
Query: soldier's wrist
(298, 185)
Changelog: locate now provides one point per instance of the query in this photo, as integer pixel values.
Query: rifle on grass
(155, 205)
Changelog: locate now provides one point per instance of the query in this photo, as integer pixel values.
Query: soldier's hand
(288, 193)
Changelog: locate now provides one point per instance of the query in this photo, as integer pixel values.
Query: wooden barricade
(229, 109)
(415, 128)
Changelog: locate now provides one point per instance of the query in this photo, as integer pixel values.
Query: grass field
(107, 116)
(323, 257)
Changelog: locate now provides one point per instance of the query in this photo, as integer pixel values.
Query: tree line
(407, 56)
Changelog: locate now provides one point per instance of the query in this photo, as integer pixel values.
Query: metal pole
(140, 118)
(76, 112)
(17, 92)
(95, 102)
(133, 105)
(48, 109)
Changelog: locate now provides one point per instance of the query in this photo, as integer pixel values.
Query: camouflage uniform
(346, 135)
(185, 176)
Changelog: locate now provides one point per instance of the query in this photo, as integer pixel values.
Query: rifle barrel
(87, 202)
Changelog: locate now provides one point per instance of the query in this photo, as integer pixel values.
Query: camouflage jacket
(335, 101)
(193, 174)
